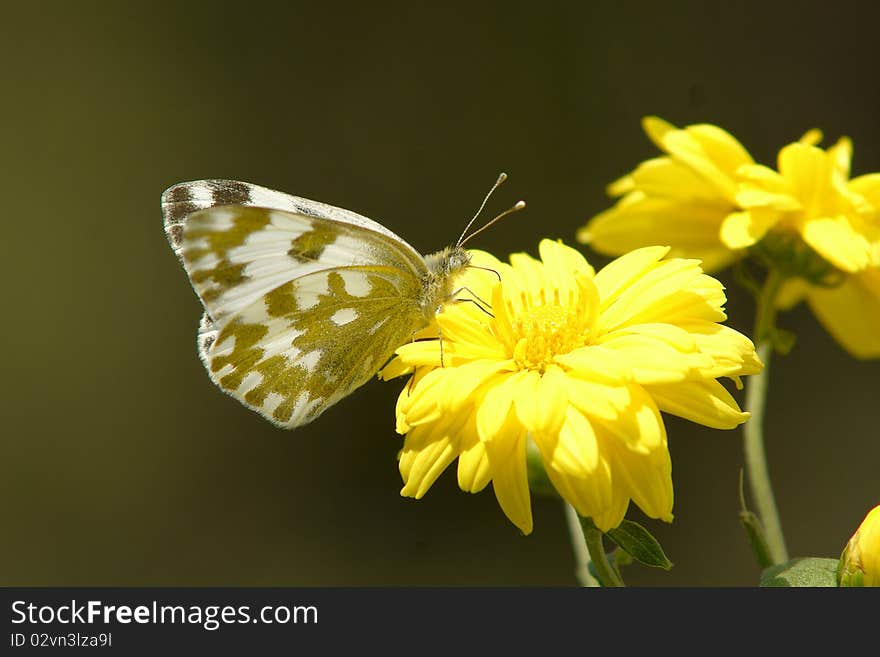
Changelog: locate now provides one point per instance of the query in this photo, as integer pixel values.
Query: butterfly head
(438, 284)
(449, 261)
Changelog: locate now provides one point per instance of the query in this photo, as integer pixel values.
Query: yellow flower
(839, 219)
(579, 362)
(709, 200)
(680, 199)
(849, 311)
(810, 195)
(860, 561)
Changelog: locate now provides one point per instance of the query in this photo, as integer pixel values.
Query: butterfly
(303, 302)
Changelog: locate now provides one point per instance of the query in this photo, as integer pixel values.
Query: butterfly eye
(459, 259)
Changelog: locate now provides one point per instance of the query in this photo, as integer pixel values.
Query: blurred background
(124, 465)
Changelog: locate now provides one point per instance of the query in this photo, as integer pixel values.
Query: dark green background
(122, 463)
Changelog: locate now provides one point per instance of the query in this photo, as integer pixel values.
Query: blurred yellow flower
(860, 561)
(849, 311)
(579, 362)
(812, 196)
(680, 199)
(708, 199)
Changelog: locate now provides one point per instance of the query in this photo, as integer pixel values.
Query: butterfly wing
(241, 259)
(264, 238)
(183, 199)
(310, 342)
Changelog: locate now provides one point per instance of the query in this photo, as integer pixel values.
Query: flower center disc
(545, 331)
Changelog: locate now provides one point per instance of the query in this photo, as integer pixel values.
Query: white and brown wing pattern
(237, 240)
(303, 301)
(181, 200)
(310, 342)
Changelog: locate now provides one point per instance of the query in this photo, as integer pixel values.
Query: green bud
(860, 561)
(785, 251)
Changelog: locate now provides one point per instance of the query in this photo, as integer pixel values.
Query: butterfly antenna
(516, 208)
(501, 178)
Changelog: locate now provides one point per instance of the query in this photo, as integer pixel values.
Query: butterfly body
(304, 302)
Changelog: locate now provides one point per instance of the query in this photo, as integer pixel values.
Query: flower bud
(860, 561)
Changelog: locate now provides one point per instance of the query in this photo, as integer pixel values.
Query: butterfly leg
(477, 301)
(477, 304)
(440, 336)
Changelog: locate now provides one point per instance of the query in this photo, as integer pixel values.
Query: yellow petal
(720, 146)
(613, 514)
(507, 456)
(597, 400)
(396, 367)
(595, 362)
(621, 186)
(807, 170)
(493, 409)
(573, 450)
(867, 186)
(426, 453)
(590, 494)
(424, 401)
(741, 230)
(656, 129)
(639, 425)
(705, 402)
(615, 277)
(528, 274)
(683, 146)
(650, 359)
(666, 178)
(401, 407)
(647, 477)
(423, 352)
(525, 399)
(835, 239)
(465, 330)
(562, 260)
(551, 402)
(760, 180)
(851, 312)
(671, 291)
(841, 156)
(505, 317)
(568, 274)
(752, 197)
(462, 340)
(672, 335)
(461, 381)
(474, 469)
(690, 228)
(812, 137)
(732, 353)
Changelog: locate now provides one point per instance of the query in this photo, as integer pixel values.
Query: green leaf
(638, 542)
(804, 571)
(755, 533)
(754, 529)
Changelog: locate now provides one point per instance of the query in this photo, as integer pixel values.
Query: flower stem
(579, 545)
(753, 431)
(607, 575)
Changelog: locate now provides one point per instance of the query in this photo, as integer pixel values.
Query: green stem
(608, 577)
(753, 432)
(579, 545)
